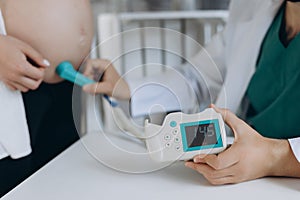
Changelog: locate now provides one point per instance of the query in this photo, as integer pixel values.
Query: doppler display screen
(201, 135)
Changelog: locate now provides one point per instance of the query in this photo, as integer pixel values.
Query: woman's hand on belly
(59, 30)
(21, 67)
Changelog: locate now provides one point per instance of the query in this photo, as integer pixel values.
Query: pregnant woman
(53, 30)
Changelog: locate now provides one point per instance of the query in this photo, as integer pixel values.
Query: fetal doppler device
(180, 137)
(66, 71)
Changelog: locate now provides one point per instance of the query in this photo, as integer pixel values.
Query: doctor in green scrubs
(261, 147)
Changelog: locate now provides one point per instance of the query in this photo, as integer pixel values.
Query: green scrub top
(274, 90)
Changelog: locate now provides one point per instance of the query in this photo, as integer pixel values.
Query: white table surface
(75, 174)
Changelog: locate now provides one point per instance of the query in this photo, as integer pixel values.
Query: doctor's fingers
(230, 119)
(215, 177)
(92, 71)
(221, 161)
(95, 68)
(99, 88)
(224, 180)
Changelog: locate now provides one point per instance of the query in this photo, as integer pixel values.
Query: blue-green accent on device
(66, 71)
(173, 124)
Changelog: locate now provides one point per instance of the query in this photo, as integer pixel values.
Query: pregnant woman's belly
(59, 29)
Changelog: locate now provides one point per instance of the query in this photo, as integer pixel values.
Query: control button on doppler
(175, 131)
(168, 145)
(177, 140)
(167, 137)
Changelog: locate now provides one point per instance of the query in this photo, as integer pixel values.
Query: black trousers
(51, 127)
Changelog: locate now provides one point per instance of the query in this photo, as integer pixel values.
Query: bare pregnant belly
(59, 29)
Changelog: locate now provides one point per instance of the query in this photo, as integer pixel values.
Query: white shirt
(14, 133)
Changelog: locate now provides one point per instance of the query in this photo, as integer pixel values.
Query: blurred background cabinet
(158, 5)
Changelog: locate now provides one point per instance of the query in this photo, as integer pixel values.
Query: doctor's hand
(251, 156)
(109, 81)
(21, 67)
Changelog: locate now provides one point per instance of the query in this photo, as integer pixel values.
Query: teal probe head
(66, 71)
